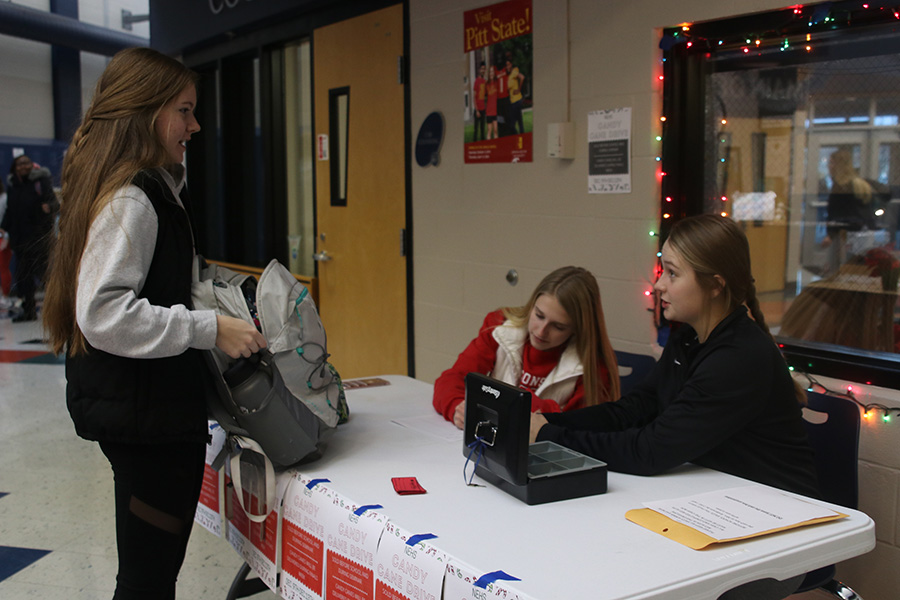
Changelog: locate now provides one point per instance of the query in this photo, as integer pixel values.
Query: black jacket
(727, 404)
(25, 220)
(118, 399)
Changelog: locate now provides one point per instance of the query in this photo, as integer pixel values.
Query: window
(299, 158)
(789, 122)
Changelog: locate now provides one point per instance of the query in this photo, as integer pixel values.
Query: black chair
(834, 437)
(637, 367)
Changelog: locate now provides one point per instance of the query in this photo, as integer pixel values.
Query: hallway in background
(57, 532)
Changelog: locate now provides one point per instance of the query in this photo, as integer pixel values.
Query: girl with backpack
(118, 303)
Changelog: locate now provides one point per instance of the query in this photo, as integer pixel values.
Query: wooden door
(361, 192)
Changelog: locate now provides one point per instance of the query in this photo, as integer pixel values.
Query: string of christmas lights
(870, 410)
(796, 27)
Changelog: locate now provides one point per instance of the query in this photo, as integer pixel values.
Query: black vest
(158, 400)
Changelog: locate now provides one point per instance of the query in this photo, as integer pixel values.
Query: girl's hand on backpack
(236, 337)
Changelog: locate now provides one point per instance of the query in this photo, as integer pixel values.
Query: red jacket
(479, 357)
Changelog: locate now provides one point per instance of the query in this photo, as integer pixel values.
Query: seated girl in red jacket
(556, 346)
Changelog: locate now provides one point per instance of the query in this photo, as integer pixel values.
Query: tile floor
(57, 536)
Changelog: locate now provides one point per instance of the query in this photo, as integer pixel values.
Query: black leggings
(30, 263)
(157, 488)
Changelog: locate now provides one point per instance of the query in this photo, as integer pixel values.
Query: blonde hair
(713, 245)
(577, 292)
(843, 173)
(116, 139)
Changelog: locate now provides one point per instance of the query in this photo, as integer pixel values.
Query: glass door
(299, 163)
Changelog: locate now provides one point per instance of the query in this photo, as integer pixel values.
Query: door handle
(322, 256)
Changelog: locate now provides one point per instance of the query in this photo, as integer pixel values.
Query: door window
(338, 132)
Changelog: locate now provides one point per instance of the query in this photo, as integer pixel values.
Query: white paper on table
(413, 571)
(433, 425)
(459, 584)
(303, 539)
(352, 532)
(739, 512)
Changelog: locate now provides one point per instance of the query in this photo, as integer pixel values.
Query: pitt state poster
(499, 54)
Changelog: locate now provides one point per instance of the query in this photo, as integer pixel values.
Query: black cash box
(498, 417)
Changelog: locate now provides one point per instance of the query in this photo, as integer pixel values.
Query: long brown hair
(116, 140)
(577, 291)
(714, 245)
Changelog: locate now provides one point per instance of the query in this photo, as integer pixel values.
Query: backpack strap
(241, 444)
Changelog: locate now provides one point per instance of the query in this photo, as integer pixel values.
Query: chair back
(636, 368)
(835, 442)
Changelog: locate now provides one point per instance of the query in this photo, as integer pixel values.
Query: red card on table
(407, 485)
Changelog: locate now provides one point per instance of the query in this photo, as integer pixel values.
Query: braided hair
(116, 140)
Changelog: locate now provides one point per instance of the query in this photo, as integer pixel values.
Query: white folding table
(576, 548)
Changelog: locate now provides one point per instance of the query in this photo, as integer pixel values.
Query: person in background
(850, 209)
(555, 346)
(31, 207)
(515, 83)
(479, 91)
(503, 122)
(118, 303)
(5, 257)
(490, 108)
(721, 396)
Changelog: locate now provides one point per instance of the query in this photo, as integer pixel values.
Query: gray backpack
(288, 398)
